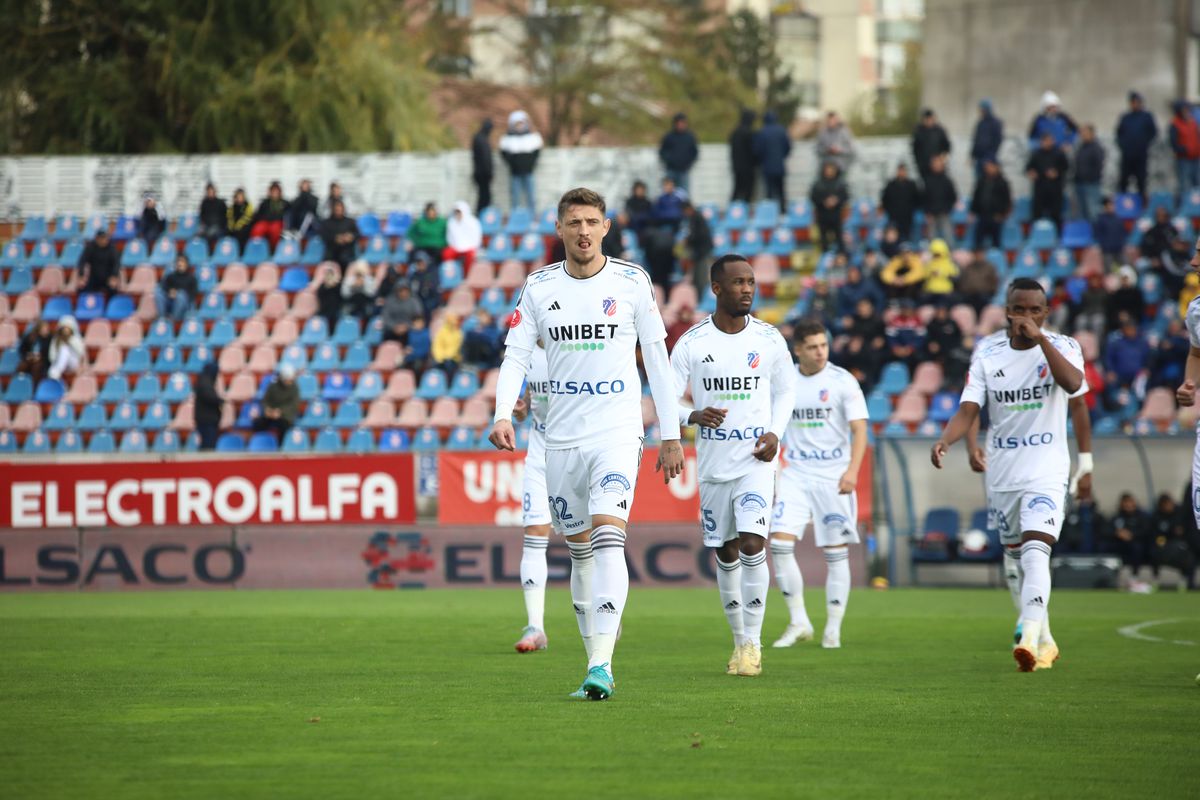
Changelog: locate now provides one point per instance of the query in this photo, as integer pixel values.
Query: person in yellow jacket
(447, 344)
(904, 275)
(941, 271)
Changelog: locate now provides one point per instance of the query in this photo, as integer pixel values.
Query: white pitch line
(1135, 632)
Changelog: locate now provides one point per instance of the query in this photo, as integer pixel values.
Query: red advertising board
(208, 492)
(485, 488)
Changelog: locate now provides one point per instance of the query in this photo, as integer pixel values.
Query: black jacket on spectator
(212, 214)
(482, 168)
(992, 197)
(306, 203)
(331, 228)
(942, 336)
(927, 142)
(152, 225)
(741, 145)
(988, 136)
(1158, 239)
(1089, 162)
(101, 263)
(272, 210)
(1042, 161)
(939, 194)
(825, 188)
(678, 150)
(207, 408)
(699, 237)
(1135, 132)
(640, 211)
(182, 282)
(900, 200)
(611, 245)
(1128, 299)
(329, 302)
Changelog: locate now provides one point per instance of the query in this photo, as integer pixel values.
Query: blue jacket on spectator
(851, 292)
(772, 145)
(668, 208)
(1109, 233)
(678, 150)
(1125, 357)
(1060, 126)
(1135, 132)
(989, 133)
(1089, 162)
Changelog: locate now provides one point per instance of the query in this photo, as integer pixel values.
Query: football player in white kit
(823, 450)
(535, 506)
(1185, 395)
(591, 312)
(1026, 381)
(740, 374)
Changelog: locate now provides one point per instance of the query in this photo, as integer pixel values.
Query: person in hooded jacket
(66, 348)
(929, 140)
(678, 151)
(828, 196)
(340, 234)
(464, 235)
(987, 137)
(207, 406)
(213, 222)
(741, 157)
(520, 147)
(900, 199)
(482, 168)
(771, 149)
(302, 216)
(1136, 131)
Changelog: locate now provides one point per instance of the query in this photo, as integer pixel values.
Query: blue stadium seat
(546, 222)
(1161, 199)
(1011, 237)
(530, 249)
(374, 332)
(348, 330)
(324, 358)
(316, 331)
(316, 415)
(942, 406)
(178, 388)
(737, 215)
(1042, 235)
(243, 306)
(191, 333)
(494, 302)
(115, 389)
(490, 221)
(361, 441)
(8, 442)
(994, 550)
(287, 252)
(36, 443)
(894, 379)
(461, 438)
(13, 255)
(249, 412)
(523, 437)
(69, 442)
(257, 251)
(95, 222)
(751, 243)
(10, 359)
(60, 418)
(160, 334)
(936, 541)
(309, 388)
(433, 385)
(1077, 233)
(120, 307)
(156, 416)
(230, 443)
(879, 407)
(169, 359)
(401, 252)
(378, 250)
(465, 384)
(20, 389)
(57, 307)
(397, 223)
(349, 415)
(206, 280)
(766, 215)
(328, 441)
(426, 440)
(66, 227)
(197, 251)
(44, 254)
(197, 357)
(124, 417)
(314, 252)
(296, 441)
(145, 388)
(520, 222)
(1128, 205)
(222, 334)
(166, 442)
(34, 228)
(101, 442)
(137, 359)
(393, 441)
(163, 254)
(294, 355)
(262, 442)
(1189, 205)
(337, 386)
(89, 306)
(782, 242)
(187, 226)
(49, 390)
(357, 357)
(19, 280)
(295, 279)
(450, 275)
(498, 249)
(71, 253)
(369, 386)
(191, 442)
(135, 253)
(225, 252)
(133, 441)
(368, 225)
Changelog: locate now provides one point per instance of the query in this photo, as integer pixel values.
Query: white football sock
(756, 579)
(837, 588)
(790, 581)
(729, 584)
(1012, 574)
(583, 563)
(610, 590)
(533, 579)
(1035, 590)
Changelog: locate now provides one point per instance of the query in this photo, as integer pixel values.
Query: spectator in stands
(1126, 355)
(34, 349)
(280, 404)
(956, 363)
(447, 344)
(940, 274)
(929, 140)
(1189, 292)
(678, 151)
(658, 249)
(1168, 252)
(1062, 307)
(1169, 540)
(613, 243)
(270, 216)
(1091, 313)
(668, 208)
(66, 353)
(153, 223)
(862, 361)
(425, 283)
(890, 244)
(416, 351)
(240, 217)
(1108, 231)
(942, 334)
(867, 324)
(1130, 530)
(207, 406)
(771, 148)
(302, 216)
(938, 197)
(335, 194)
(829, 196)
(856, 288)
(871, 267)
(1185, 143)
(427, 234)
(1136, 131)
(178, 292)
(358, 291)
(1127, 299)
(1170, 356)
(904, 275)
(329, 298)
(820, 302)
(1089, 172)
(697, 246)
(900, 199)
(987, 137)
(835, 143)
(398, 314)
(483, 169)
(639, 207)
(213, 216)
(340, 234)
(1053, 121)
(99, 267)
(742, 158)
(520, 147)
(482, 344)
(464, 235)
(1047, 170)
(1084, 527)
(685, 319)
(979, 281)
(991, 204)
(906, 334)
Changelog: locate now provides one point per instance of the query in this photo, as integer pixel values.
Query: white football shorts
(799, 501)
(1038, 509)
(598, 479)
(535, 505)
(742, 505)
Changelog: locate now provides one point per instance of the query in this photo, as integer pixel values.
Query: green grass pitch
(419, 694)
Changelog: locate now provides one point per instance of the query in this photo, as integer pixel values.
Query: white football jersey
(1027, 411)
(816, 445)
(741, 372)
(590, 328)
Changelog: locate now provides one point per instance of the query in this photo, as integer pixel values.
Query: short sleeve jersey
(816, 445)
(740, 372)
(1027, 410)
(590, 328)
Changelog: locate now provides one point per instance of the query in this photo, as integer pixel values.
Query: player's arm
(1185, 395)
(976, 455)
(956, 428)
(1081, 421)
(783, 401)
(662, 390)
(681, 368)
(1066, 374)
(858, 451)
(518, 353)
(521, 409)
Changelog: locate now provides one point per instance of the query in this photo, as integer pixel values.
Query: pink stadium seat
(28, 418)
(660, 295)
(964, 315)
(683, 295)
(274, 306)
(254, 332)
(925, 314)
(1091, 261)
(284, 332)
(142, 279)
(387, 357)
(1088, 344)
(1159, 407)
(99, 333)
(480, 276)
(991, 320)
(50, 281)
(444, 413)
(304, 305)
(108, 360)
(82, 390)
(461, 302)
(511, 274)
(911, 408)
(413, 413)
(228, 417)
(488, 390)
(927, 379)
(476, 412)
(380, 414)
(5, 308)
(962, 257)
(401, 386)
(129, 334)
(185, 419)
(147, 310)
(265, 278)
(242, 387)
(231, 360)
(235, 279)
(5, 417)
(8, 334)
(263, 359)
(766, 270)
(27, 308)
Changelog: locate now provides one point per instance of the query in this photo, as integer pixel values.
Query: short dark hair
(809, 326)
(1024, 285)
(717, 271)
(581, 196)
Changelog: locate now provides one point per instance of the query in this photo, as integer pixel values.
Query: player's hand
(847, 482)
(766, 447)
(520, 410)
(977, 458)
(670, 459)
(1083, 487)
(708, 417)
(503, 437)
(1026, 327)
(938, 453)
(1185, 395)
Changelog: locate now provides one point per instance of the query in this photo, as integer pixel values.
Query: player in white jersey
(1185, 395)
(535, 506)
(1026, 382)
(591, 312)
(823, 450)
(1080, 486)
(740, 374)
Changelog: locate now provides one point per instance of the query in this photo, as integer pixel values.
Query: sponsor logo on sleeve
(516, 319)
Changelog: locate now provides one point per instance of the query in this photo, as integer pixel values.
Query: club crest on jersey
(824, 395)
(834, 519)
(609, 305)
(753, 360)
(752, 502)
(516, 319)
(1041, 501)
(1043, 369)
(614, 483)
